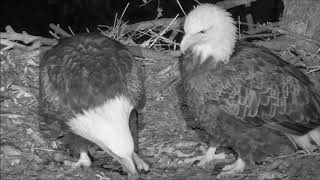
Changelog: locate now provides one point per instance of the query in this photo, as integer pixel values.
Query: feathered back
(86, 70)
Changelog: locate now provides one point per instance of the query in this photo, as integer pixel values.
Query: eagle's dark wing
(87, 70)
(257, 88)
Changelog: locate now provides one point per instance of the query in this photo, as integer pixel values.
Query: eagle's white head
(209, 31)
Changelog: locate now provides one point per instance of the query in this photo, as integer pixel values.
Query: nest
(165, 141)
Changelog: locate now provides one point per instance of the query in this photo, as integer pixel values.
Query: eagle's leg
(84, 160)
(211, 155)
(208, 114)
(308, 142)
(78, 148)
(134, 128)
(236, 167)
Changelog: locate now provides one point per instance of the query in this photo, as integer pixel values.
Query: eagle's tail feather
(308, 142)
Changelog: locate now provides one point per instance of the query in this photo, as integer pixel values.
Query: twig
(283, 31)
(115, 21)
(243, 36)
(125, 9)
(54, 35)
(274, 27)
(197, 2)
(145, 3)
(181, 8)
(163, 31)
(11, 44)
(311, 154)
(58, 30)
(289, 155)
(3, 136)
(45, 149)
(71, 30)
(314, 69)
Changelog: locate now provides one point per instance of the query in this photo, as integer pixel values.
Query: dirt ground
(165, 142)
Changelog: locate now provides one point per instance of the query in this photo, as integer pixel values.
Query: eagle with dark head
(94, 87)
(242, 95)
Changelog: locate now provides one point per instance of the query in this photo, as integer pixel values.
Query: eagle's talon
(84, 160)
(142, 166)
(234, 168)
(211, 155)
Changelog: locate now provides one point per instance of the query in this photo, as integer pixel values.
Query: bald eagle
(94, 86)
(242, 95)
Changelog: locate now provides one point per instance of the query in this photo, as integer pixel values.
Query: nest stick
(58, 30)
(163, 31)
(9, 37)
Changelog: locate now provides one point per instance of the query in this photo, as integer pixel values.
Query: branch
(275, 27)
(58, 30)
(9, 37)
(283, 31)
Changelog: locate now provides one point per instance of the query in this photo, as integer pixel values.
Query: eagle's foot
(309, 142)
(234, 168)
(211, 155)
(83, 162)
(140, 164)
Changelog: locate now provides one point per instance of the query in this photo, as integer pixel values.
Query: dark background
(34, 16)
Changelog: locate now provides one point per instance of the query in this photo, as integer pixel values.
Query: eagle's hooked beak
(185, 43)
(190, 40)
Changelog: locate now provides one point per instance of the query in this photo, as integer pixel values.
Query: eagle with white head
(243, 96)
(94, 87)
